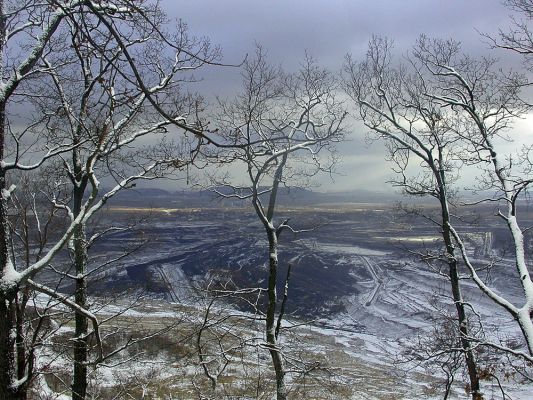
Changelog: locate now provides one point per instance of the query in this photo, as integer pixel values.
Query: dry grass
(166, 366)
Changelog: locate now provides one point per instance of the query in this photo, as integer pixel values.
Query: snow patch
(362, 251)
(10, 276)
(6, 193)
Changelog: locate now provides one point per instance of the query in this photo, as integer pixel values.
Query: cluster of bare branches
(98, 77)
(103, 78)
(282, 128)
(440, 112)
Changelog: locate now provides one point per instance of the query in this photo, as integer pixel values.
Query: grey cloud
(329, 30)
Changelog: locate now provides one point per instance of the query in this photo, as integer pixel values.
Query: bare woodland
(104, 91)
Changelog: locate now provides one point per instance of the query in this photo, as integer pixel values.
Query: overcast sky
(328, 29)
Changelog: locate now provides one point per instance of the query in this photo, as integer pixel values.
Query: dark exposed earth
(357, 266)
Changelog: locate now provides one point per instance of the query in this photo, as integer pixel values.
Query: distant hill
(146, 197)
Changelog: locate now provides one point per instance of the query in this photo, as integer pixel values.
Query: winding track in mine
(377, 280)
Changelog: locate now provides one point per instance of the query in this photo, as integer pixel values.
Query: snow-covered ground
(364, 300)
(355, 364)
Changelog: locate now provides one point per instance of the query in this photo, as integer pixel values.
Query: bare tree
(487, 104)
(518, 37)
(392, 103)
(468, 104)
(280, 126)
(103, 112)
(109, 35)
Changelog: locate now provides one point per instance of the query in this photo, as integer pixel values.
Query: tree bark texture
(79, 378)
(272, 340)
(453, 272)
(7, 291)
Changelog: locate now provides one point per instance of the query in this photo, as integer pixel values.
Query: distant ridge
(148, 197)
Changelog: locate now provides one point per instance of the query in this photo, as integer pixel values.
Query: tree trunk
(463, 330)
(272, 341)
(7, 351)
(7, 291)
(470, 358)
(79, 379)
(25, 357)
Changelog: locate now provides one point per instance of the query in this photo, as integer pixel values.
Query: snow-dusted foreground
(346, 364)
